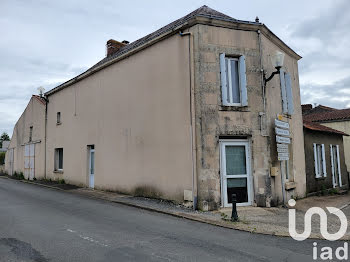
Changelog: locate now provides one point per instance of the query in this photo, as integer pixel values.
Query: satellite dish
(41, 90)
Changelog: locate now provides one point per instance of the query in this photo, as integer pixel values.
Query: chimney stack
(306, 108)
(113, 46)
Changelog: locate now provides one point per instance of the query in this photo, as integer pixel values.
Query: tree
(4, 137)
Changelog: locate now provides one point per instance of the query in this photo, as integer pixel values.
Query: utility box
(274, 171)
(188, 195)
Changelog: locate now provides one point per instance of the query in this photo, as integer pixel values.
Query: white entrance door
(92, 167)
(235, 172)
(29, 161)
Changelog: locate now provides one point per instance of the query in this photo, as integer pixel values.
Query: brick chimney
(113, 46)
(306, 108)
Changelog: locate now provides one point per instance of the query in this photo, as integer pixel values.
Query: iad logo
(323, 222)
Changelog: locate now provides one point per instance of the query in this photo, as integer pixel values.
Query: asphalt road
(40, 224)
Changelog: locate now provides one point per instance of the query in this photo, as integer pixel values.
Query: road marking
(90, 239)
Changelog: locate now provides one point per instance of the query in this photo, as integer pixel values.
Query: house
(26, 151)
(338, 119)
(324, 157)
(184, 114)
(5, 145)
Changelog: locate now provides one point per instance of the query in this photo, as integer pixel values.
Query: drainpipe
(47, 101)
(192, 120)
(262, 114)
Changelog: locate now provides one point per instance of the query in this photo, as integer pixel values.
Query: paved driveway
(40, 224)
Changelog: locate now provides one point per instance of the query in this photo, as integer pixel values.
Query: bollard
(234, 216)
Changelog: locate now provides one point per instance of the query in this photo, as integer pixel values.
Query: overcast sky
(44, 43)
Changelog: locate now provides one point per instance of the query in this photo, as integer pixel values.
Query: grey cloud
(323, 41)
(335, 95)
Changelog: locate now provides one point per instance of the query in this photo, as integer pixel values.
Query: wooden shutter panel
(283, 92)
(339, 170)
(324, 162)
(223, 79)
(289, 93)
(243, 80)
(315, 160)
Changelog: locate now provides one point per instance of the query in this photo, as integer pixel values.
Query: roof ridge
(318, 127)
(201, 11)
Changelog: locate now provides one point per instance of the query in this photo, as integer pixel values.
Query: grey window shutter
(315, 160)
(283, 92)
(289, 93)
(223, 79)
(324, 162)
(243, 80)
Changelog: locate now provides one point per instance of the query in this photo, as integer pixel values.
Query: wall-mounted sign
(283, 158)
(283, 140)
(281, 132)
(282, 146)
(281, 124)
(283, 154)
(282, 150)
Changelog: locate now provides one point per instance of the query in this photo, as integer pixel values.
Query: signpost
(282, 132)
(281, 124)
(282, 139)
(282, 146)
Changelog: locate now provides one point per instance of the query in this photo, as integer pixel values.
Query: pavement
(41, 224)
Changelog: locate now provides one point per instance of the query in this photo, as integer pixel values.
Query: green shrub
(2, 158)
(61, 181)
(20, 175)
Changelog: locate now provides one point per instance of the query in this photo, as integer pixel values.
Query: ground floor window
(320, 161)
(335, 164)
(59, 159)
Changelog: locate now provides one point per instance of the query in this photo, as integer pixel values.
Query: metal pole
(282, 182)
(234, 216)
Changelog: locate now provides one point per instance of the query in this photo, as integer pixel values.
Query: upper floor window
(286, 93)
(233, 81)
(58, 118)
(30, 134)
(320, 160)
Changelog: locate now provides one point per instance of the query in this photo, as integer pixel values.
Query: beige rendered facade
(136, 114)
(26, 152)
(151, 121)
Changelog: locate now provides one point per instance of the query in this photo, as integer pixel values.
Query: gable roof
(203, 11)
(177, 25)
(326, 114)
(317, 127)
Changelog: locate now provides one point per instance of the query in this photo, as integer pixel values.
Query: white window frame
(229, 82)
(318, 162)
(57, 155)
(226, 81)
(224, 177)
